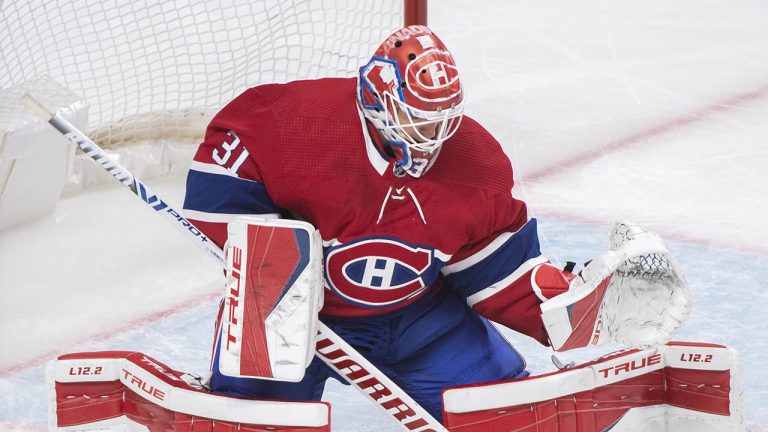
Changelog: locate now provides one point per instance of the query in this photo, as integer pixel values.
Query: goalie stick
(331, 348)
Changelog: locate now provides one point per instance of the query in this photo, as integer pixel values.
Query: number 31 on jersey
(222, 155)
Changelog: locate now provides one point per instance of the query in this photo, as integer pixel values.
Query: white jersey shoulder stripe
(215, 169)
(507, 281)
(210, 168)
(478, 256)
(220, 217)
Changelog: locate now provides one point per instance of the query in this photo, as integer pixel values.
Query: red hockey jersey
(303, 150)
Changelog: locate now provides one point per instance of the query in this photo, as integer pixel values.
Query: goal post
(414, 12)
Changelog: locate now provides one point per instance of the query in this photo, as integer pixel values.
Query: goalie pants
(434, 343)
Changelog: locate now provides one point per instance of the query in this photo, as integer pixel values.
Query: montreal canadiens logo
(379, 272)
(436, 78)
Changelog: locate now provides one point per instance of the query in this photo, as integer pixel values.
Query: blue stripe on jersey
(216, 193)
(519, 248)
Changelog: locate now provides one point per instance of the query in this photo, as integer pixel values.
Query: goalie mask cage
(159, 69)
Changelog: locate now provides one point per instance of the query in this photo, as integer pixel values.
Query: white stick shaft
(331, 348)
(124, 176)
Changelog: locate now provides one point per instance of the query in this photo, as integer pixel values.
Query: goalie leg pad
(680, 387)
(129, 391)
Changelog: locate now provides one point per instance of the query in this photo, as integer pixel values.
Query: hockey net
(154, 70)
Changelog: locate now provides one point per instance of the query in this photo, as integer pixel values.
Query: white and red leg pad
(274, 293)
(678, 387)
(131, 392)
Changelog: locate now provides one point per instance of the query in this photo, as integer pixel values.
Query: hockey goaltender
(371, 234)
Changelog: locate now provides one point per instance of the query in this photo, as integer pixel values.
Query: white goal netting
(159, 69)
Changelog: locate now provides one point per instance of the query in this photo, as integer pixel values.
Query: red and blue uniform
(410, 264)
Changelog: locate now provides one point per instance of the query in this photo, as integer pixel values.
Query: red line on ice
(668, 126)
(692, 118)
(111, 332)
(7, 425)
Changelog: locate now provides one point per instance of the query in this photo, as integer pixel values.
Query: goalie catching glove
(633, 294)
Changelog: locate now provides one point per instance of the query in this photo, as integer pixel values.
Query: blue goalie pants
(434, 343)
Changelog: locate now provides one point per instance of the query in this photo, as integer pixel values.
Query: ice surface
(654, 111)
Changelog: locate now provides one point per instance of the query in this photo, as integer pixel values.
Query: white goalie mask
(411, 93)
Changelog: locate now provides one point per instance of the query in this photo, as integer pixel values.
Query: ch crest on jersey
(379, 272)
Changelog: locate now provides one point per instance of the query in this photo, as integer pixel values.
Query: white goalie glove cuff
(633, 294)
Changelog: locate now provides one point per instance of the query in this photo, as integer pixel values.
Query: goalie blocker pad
(680, 387)
(273, 296)
(129, 391)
